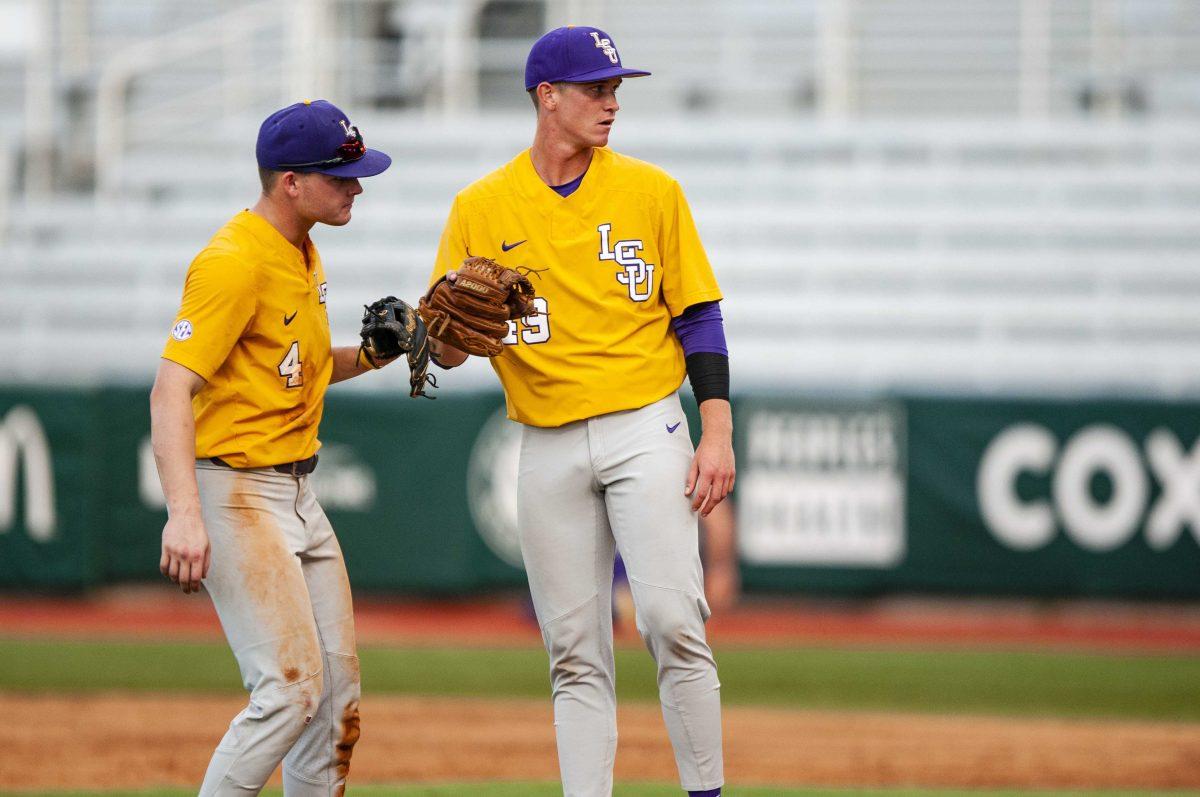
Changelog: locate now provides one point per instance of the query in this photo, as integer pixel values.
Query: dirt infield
(129, 741)
(135, 740)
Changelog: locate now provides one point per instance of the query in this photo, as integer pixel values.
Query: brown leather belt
(301, 467)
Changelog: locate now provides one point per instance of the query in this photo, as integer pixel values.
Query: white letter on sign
(1095, 526)
(23, 442)
(1023, 447)
(1179, 504)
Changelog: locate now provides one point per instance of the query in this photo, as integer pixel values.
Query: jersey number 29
(537, 325)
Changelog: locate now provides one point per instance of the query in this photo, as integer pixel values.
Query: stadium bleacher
(929, 233)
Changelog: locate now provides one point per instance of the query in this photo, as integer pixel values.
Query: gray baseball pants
(582, 487)
(278, 582)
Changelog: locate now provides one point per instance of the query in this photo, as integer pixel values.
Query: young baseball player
(628, 305)
(234, 416)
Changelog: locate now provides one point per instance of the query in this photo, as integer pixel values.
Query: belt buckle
(303, 467)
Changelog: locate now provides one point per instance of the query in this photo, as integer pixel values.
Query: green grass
(995, 682)
(621, 790)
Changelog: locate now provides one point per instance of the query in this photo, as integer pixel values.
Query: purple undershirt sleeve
(701, 329)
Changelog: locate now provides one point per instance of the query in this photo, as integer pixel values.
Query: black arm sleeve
(709, 375)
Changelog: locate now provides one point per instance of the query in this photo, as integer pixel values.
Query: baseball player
(234, 416)
(627, 304)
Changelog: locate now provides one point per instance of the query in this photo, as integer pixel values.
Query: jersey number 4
(537, 325)
(289, 367)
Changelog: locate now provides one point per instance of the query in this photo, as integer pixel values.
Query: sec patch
(182, 330)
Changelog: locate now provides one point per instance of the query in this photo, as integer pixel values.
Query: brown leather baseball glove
(472, 312)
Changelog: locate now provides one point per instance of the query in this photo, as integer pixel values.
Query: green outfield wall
(909, 494)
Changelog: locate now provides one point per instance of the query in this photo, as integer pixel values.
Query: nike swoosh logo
(671, 429)
(287, 319)
(505, 245)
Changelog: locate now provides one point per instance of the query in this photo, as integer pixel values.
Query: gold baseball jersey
(615, 261)
(253, 323)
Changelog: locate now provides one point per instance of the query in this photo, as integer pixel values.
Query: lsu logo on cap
(182, 330)
(606, 46)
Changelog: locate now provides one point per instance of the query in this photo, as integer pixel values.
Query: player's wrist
(717, 437)
(184, 509)
(363, 361)
(716, 418)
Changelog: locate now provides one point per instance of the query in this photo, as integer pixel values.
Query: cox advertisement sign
(1055, 497)
(1100, 481)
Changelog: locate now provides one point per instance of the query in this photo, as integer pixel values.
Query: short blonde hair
(268, 178)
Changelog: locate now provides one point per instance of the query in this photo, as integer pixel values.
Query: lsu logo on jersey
(606, 46)
(636, 274)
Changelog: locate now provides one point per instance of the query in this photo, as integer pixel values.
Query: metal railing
(224, 35)
(444, 54)
(7, 178)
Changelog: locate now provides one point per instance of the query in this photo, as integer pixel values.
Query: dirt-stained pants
(279, 585)
(581, 485)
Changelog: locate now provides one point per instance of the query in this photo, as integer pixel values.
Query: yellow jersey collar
(272, 239)
(545, 198)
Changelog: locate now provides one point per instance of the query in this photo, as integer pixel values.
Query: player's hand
(712, 474)
(185, 552)
(444, 354)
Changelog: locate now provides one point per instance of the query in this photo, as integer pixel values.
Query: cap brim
(605, 74)
(373, 162)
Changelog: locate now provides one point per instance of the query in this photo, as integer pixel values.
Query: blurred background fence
(959, 241)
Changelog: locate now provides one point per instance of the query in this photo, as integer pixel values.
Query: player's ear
(289, 183)
(547, 96)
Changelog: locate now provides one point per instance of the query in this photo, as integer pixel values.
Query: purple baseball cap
(574, 55)
(315, 136)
